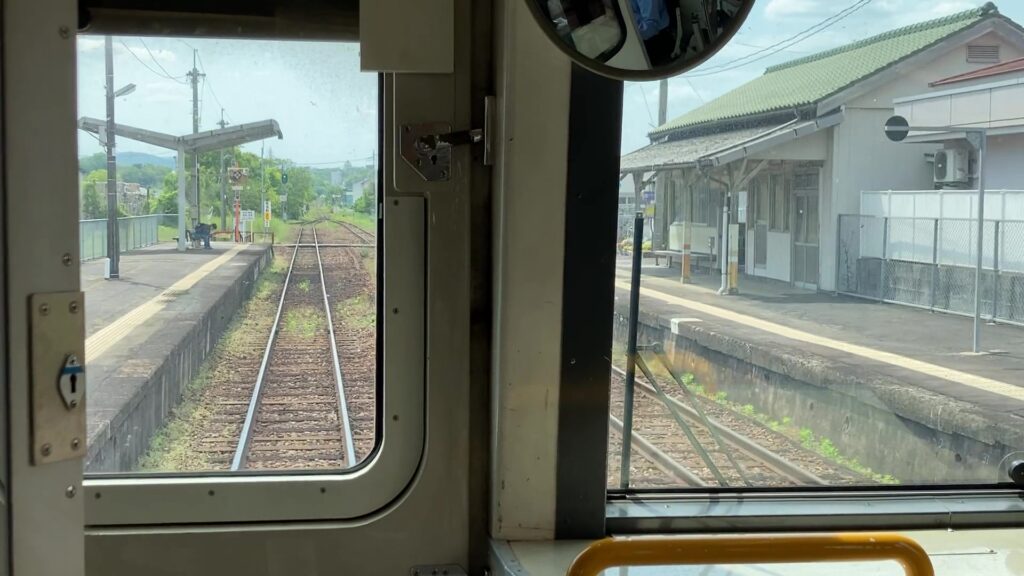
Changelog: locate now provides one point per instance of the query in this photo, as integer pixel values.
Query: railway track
(744, 452)
(364, 236)
(297, 415)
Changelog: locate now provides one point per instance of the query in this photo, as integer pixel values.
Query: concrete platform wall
(894, 428)
(152, 392)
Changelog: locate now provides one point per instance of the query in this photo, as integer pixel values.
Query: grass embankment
(364, 221)
(166, 233)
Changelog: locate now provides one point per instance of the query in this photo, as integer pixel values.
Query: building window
(779, 193)
(983, 53)
(705, 205)
(699, 204)
(760, 192)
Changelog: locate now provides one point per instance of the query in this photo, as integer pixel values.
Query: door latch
(57, 350)
(71, 382)
(427, 147)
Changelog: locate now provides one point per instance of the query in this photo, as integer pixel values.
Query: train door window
(849, 354)
(280, 208)
(232, 243)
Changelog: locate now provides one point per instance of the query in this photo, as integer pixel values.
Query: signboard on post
(266, 214)
(237, 176)
(897, 128)
(248, 215)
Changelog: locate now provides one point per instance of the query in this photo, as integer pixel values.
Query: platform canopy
(187, 144)
(190, 143)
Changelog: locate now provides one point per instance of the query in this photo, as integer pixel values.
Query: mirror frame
(648, 75)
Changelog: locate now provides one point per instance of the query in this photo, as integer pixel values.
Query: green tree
(166, 202)
(366, 203)
(147, 175)
(93, 162)
(94, 187)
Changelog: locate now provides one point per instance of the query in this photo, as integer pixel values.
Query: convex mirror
(639, 39)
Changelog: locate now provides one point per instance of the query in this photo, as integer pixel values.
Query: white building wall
(917, 76)
(826, 244)
(702, 237)
(1004, 164)
(864, 159)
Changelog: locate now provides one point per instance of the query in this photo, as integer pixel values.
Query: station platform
(147, 334)
(912, 362)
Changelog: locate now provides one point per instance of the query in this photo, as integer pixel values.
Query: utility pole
(663, 116)
(194, 76)
(113, 236)
(223, 180)
(263, 178)
(662, 102)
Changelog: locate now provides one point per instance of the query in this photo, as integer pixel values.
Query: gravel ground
(297, 424)
(654, 422)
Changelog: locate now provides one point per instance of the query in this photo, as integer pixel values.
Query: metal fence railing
(134, 232)
(931, 263)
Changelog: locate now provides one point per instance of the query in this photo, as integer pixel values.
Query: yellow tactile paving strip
(110, 335)
(925, 368)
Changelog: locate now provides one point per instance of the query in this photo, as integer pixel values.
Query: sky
(770, 22)
(326, 108)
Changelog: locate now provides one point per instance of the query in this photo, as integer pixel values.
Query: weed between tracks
(806, 437)
(303, 320)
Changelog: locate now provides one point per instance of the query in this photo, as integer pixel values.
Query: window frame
(220, 497)
(828, 509)
(747, 510)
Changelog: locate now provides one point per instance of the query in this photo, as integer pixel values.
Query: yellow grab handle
(762, 549)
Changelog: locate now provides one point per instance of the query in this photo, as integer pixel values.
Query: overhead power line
(157, 62)
(777, 47)
(150, 68)
(206, 83)
(647, 104)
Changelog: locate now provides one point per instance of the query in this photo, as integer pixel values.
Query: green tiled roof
(813, 78)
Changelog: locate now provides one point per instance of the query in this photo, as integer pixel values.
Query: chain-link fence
(134, 232)
(931, 263)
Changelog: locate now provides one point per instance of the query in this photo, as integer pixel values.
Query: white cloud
(89, 44)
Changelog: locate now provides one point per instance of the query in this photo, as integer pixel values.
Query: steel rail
(242, 450)
(663, 461)
(359, 232)
(741, 442)
(350, 245)
(346, 426)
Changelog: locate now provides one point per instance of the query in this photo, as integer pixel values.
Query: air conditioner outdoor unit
(951, 166)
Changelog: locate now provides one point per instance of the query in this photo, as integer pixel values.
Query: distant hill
(98, 160)
(133, 158)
